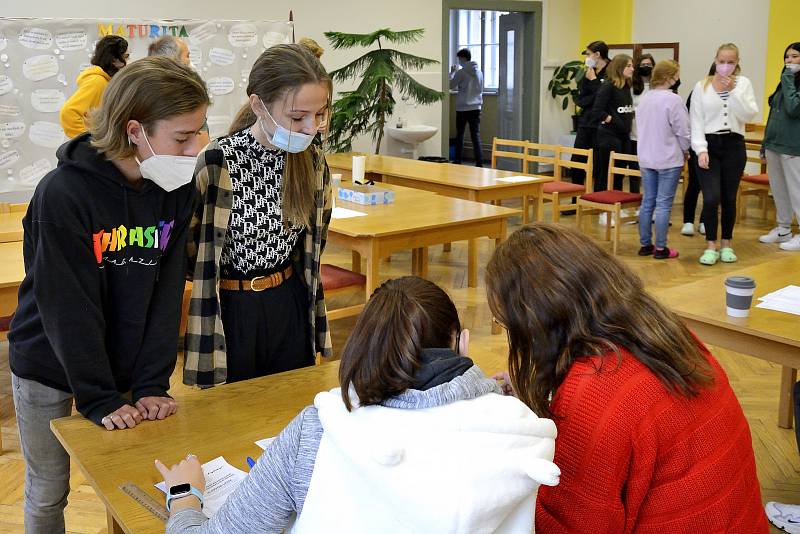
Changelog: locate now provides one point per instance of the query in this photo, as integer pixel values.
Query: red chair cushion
(563, 187)
(334, 277)
(612, 197)
(5, 323)
(760, 179)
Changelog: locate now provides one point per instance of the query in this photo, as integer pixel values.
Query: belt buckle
(252, 288)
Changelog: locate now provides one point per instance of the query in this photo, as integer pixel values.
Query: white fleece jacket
(709, 113)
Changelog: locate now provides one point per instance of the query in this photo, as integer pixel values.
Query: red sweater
(635, 458)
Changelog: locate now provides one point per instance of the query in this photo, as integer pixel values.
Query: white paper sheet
(786, 299)
(263, 443)
(515, 179)
(221, 479)
(780, 305)
(344, 213)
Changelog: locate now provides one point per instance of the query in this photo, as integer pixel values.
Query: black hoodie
(100, 304)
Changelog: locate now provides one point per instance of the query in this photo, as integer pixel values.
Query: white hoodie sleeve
(698, 123)
(743, 101)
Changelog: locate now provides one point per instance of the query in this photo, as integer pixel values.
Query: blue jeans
(659, 191)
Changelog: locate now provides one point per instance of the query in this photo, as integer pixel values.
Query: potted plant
(380, 71)
(564, 85)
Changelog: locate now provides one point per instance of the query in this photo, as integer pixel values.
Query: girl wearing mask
(105, 264)
(586, 136)
(640, 84)
(722, 104)
(781, 146)
(260, 227)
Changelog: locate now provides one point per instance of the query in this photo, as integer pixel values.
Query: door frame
(531, 79)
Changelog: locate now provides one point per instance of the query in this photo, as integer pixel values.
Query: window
(479, 32)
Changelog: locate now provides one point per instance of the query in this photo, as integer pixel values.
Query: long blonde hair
(736, 71)
(615, 71)
(278, 71)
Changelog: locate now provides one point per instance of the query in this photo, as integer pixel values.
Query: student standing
(104, 251)
(596, 61)
(722, 104)
(663, 125)
(467, 79)
(260, 227)
(640, 84)
(781, 146)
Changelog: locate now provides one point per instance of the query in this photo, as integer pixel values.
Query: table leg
(525, 207)
(472, 262)
(113, 526)
(356, 262)
(539, 206)
(419, 262)
(373, 276)
(785, 404)
(496, 328)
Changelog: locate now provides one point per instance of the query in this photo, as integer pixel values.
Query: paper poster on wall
(40, 60)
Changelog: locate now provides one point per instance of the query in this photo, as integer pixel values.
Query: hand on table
(153, 408)
(122, 418)
(187, 470)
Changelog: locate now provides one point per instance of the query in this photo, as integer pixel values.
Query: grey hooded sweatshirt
(468, 81)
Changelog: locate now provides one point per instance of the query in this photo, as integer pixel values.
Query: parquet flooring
(754, 381)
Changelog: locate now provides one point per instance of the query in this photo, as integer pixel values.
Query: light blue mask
(283, 138)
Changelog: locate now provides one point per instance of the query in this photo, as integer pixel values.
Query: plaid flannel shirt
(205, 360)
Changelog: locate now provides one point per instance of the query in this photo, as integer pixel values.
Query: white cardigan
(709, 113)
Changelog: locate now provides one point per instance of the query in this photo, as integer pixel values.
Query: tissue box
(366, 194)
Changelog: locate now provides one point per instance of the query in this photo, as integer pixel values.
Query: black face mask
(675, 85)
(645, 70)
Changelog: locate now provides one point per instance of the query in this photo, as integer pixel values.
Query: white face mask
(590, 62)
(794, 68)
(283, 138)
(167, 172)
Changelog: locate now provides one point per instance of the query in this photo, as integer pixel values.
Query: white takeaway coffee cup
(739, 295)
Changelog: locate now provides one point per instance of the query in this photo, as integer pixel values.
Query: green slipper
(726, 255)
(709, 257)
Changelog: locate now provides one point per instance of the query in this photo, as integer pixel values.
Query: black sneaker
(665, 253)
(646, 250)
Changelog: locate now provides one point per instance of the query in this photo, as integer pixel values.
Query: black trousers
(692, 190)
(727, 158)
(473, 118)
(267, 331)
(606, 143)
(635, 181)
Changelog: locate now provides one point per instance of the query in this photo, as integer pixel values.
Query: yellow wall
(606, 20)
(782, 31)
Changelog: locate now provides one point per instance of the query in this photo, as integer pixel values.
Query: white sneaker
(687, 229)
(777, 235)
(784, 516)
(702, 229)
(793, 244)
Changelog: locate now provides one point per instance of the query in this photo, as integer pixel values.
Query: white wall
(743, 22)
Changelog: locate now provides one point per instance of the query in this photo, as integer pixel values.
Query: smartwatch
(179, 491)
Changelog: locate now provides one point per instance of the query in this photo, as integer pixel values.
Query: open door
(510, 82)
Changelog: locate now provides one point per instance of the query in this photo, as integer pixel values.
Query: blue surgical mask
(283, 138)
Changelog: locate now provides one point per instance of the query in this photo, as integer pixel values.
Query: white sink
(413, 134)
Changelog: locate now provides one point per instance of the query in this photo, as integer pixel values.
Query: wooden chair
(612, 201)
(500, 149)
(754, 184)
(336, 280)
(540, 154)
(5, 207)
(556, 190)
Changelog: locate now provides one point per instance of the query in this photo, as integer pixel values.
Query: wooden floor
(755, 382)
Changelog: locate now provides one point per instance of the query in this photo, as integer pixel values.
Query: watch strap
(192, 491)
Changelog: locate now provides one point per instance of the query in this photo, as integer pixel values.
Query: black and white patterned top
(257, 242)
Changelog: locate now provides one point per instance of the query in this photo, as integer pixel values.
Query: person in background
(692, 191)
(412, 406)
(586, 137)
(613, 107)
(640, 84)
(110, 55)
(104, 250)
(663, 125)
(312, 45)
(260, 226)
(722, 104)
(781, 147)
(651, 437)
(468, 81)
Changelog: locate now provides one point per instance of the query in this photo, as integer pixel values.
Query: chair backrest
(568, 163)
(500, 149)
(614, 168)
(539, 153)
(755, 158)
(754, 127)
(5, 207)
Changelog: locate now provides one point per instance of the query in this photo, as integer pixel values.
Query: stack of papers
(344, 213)
(221, 479)
(515, 179)
(785, 300)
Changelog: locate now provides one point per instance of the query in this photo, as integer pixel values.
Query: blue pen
(251, 462)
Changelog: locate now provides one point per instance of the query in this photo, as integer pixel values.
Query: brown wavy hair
(561, 297)
(403, 317)
(615, 71)
(281, 70)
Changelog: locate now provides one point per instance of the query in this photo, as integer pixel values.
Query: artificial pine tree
(365, 109)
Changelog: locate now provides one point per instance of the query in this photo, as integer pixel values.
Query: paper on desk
(515, 179)
(221, 479)
(263, 443)
(785, 300)
(344, 213)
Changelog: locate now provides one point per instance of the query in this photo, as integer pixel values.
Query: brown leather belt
(259, 283)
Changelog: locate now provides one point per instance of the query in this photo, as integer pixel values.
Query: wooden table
(456, 181)
(12, 271)
(416, 220)
(766, 334)
(11, 226)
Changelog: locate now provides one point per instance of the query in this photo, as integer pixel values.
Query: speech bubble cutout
(9, 158)
(72, 39)
(195, 54)
(218, 125)
(3, 41)
(36, 38)
(6, 85)
(202, 33)
(221, 85)
(273, 38)
(31, 174)
(11, 130)
(47, 100)
(243, 35)
(38, 68)
(46, 134)
(8, 110)
(221, 56)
